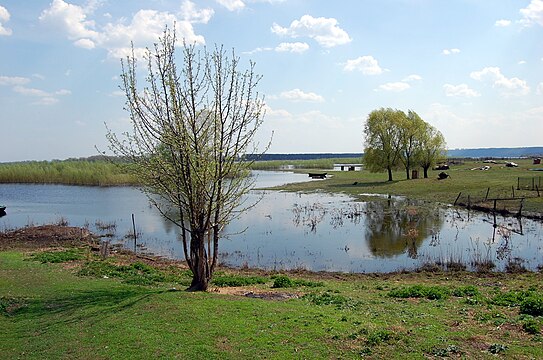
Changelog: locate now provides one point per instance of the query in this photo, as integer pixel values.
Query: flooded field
(319, 232)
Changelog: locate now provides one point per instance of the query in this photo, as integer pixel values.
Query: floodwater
(317, 231)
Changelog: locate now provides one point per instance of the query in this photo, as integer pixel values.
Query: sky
(471, 68)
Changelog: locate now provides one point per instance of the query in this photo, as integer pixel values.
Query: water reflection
(396, 227)
(292, 230)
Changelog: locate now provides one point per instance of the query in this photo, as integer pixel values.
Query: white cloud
(324, 31)
(450, 51)
(297, 95)
(533, 13)
(4, 17)
(13, 80)
(44, 97)
(509, 87)
(368, 65)
(296, 47)
(232, 5)
(69, 18)
(412, 77)
(539, 90)
(85, 43)
(145, 27)
(394, 86)
(190, 13)
(257, 50)
(522, 62)
(502, 23)
(460, 90)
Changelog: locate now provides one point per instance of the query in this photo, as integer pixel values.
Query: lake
(316, 231)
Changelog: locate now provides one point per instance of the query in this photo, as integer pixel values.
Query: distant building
(347, 167)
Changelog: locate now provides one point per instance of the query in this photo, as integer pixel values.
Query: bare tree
(192, 128)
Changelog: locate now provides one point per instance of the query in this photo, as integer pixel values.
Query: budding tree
(193, 124)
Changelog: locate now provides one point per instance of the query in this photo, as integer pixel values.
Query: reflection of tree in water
(308, 215)
(394, 227)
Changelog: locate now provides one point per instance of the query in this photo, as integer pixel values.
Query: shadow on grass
(82, 305)
(357, 184)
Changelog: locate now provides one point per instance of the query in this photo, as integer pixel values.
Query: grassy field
(70, 304)
(499, 182)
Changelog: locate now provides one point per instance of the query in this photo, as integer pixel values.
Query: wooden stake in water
(135, 235)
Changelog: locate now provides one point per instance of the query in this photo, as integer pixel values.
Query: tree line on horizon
(394, 140)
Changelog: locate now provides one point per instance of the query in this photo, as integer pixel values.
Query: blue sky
(472, 68)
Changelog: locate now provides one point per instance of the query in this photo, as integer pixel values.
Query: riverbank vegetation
(466, 179)
(68, 302)
(67, 172)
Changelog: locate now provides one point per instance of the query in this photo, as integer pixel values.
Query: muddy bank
(36, 237)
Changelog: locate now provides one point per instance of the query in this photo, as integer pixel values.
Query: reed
(68, 172)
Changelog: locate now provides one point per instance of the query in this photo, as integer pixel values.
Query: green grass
(50, 310)
(499, 181)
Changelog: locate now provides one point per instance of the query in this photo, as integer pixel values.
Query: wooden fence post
(135, 235)
(460, 193)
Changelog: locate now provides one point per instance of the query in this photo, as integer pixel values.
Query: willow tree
(432, 148)
(412, 129)
(193, 123)
(383, 140)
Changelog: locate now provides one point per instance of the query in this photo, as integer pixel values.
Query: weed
(483, 266)
(468, 290)
(532, 305)
(378, 337)
(531, 327)
(510, 298)
(137, 273)
(329, 298)
(515, 266)
(282, 281)
(232, 280)
(421, 291)
(9, 305)
(497, 348)
(56, 256)
(446, 352)
(62, 221)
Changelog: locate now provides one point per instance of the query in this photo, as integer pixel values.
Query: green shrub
(531, 327)
(421, 291)
(56, 256)
(468, 290)
(326, 298)
(510, 298)
(282, 281)
(532, 305)
(231, 280)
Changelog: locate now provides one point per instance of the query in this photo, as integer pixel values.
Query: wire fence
(501, 201)
(532, 183)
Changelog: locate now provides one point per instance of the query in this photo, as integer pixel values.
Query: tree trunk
(407, 173)
(425, 172)
(389, 174)
(200, 266)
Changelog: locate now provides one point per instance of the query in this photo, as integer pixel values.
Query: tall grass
(323, 164)
(69, 172)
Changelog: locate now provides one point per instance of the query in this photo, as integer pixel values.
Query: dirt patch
(44, 236)
(256, 293)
